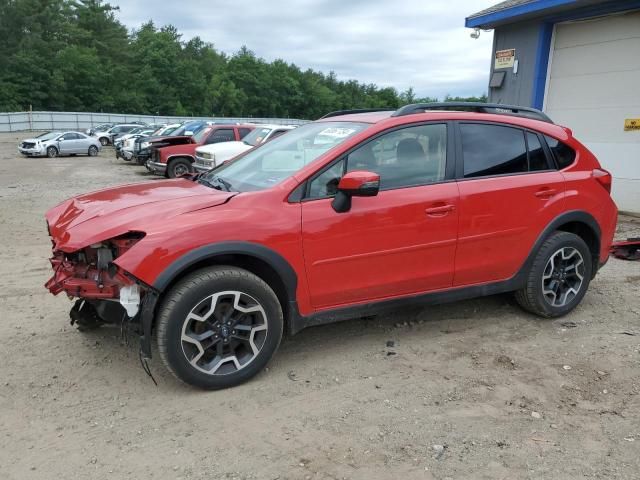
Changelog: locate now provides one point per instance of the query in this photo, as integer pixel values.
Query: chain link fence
(25, 121)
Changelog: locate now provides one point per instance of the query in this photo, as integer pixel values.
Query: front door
(67, 144)
(400, 242)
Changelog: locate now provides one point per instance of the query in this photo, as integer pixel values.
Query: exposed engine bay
(106, 293)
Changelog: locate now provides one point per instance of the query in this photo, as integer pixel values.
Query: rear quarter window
(563, 154)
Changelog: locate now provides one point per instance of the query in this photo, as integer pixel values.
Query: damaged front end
(106, 294)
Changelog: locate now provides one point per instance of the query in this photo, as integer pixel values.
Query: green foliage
(75, 55)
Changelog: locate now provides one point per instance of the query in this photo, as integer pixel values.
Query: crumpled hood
(94, 217)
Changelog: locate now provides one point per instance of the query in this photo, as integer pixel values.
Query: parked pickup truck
(176, 160)
(209, 156)
(181, 135)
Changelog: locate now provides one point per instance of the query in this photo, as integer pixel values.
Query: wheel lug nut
(233, 331)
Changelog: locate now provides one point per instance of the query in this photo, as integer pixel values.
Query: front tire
(52, 152)
(179, 167)
(104, 141)
(218, 327)
(559, 276)
(93, 151)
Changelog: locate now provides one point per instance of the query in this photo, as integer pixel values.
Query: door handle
(440, 210)
(545, 193)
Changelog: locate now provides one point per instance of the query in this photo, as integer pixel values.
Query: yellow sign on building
(631, 124)
(505, 58)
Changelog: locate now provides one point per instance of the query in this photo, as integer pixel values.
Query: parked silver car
(53, 144)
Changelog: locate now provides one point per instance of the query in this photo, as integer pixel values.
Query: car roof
(434, 115)
(274, 126)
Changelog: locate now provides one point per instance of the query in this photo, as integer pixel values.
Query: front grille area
(28, 145)
(201, 162)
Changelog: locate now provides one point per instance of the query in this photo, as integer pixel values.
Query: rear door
(509, 192)
(400, 242)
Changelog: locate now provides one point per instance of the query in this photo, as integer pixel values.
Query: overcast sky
(398, 43)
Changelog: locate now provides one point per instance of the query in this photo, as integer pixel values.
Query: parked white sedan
(212, 155)
(52, 144)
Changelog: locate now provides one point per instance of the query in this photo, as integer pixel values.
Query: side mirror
(358, 183)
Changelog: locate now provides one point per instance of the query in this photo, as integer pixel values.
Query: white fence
(20, 121)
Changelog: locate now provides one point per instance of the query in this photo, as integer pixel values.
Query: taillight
(603, 177)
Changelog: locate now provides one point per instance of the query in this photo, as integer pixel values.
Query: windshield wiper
(216, 182)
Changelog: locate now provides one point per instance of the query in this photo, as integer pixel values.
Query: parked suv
(345, 216)
(175, 160)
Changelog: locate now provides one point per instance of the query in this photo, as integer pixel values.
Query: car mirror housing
(358, 183)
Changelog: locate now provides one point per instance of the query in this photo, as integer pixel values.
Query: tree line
(74, 55)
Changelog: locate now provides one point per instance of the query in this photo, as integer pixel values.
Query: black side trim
(274, 259)
(146, 319)
(514, 283)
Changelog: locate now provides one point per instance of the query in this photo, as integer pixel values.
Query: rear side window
(563, 154)
(490, 150)
(243, 132)
(537, 157)
(221, 135)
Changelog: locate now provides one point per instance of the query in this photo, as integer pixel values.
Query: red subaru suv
(355, 213)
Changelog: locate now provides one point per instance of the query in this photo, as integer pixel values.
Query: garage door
(593, 86)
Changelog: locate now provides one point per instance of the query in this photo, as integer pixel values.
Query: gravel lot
(476, 389)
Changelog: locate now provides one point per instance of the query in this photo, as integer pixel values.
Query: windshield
(280, 158)
(48, 135)
(137, 130)
(199, 137)
(256, 136)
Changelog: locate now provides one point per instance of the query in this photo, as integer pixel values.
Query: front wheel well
(180, 157)
(250, 263)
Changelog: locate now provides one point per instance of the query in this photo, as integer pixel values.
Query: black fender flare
(276, 261)
(250, 249)
(562, 219)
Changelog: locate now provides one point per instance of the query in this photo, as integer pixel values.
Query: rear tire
(218, 327)
(559, 276)
(52, 152)
(178, 167)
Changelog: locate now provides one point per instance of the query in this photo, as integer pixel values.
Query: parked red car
(175, 160)
(345, 216)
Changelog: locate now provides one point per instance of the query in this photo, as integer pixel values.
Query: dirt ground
(476, 389)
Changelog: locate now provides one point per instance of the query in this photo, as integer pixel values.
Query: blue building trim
(516, 11)
(547, 23)
(542, 64)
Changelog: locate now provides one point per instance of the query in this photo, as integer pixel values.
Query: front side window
(280, 158)
(563, 154)
(405, 157)
(490, 150)
(244, 131)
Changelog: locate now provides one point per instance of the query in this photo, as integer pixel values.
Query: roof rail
(357, 110)
(493, 108)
